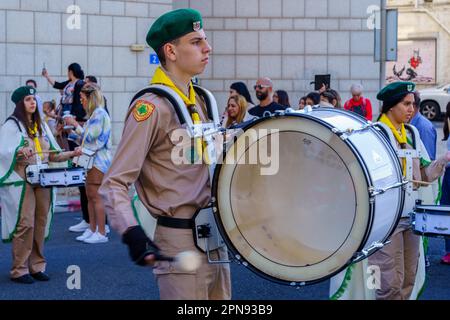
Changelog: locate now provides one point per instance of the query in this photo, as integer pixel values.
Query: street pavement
(108, 274)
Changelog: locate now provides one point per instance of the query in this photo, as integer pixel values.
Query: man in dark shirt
(264, 93)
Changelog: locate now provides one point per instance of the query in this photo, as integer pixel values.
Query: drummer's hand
(150, 260)
(25, 152)
(77, 152)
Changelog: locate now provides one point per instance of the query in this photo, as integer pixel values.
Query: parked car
(434, 101)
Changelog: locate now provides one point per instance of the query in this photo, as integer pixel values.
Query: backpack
(361, 109)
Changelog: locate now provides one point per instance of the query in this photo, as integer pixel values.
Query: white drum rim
(362, 226)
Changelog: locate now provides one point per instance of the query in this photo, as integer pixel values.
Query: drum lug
(359, 256)
(340, 133)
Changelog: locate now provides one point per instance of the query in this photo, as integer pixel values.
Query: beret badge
(196, 26)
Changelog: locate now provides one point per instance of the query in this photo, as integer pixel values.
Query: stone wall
(289, 41)
(34, 32)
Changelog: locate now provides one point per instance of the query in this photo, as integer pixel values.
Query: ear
(170, 52)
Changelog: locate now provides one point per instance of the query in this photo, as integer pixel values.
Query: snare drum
(431, 221)
(335, 198)
(62, 177)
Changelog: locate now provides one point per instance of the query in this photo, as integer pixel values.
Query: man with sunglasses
(264, 93)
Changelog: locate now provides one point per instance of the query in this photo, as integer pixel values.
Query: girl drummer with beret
(401, 262)
(26, 209)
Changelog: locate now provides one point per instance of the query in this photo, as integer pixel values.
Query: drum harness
(31, 171)
(205, 232)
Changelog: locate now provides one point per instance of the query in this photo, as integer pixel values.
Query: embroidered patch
(410, 87)
(143, 110)
(196, 26)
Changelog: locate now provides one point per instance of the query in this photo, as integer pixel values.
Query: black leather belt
(176, 223)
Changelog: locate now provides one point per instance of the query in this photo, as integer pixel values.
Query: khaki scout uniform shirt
(143, 157)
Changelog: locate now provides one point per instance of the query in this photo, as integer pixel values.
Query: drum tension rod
(351, 131)
(375, 192)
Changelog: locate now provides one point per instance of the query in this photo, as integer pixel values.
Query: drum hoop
(228, 241)
(433, 211)
(399, 172)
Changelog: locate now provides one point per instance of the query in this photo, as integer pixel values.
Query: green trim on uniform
(133, 206)
(348, 276)
(424, 162)
(22, 196)
(409, 141)
(439, 195)
(51, 209)
(425, 249)
(13, 165)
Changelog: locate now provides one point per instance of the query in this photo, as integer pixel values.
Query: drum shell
(382, 216)
(431, 221)
(62, 177)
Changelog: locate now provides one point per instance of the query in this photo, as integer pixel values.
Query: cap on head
(265, 81)
(173, 25)
(22, 92)
(395, 90)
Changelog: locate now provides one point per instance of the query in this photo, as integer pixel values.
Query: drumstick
(421, 182)
(50, 151)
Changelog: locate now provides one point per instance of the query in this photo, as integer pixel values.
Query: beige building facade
(287, 40)
(423, 20)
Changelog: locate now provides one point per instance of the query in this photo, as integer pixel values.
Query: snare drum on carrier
(55, 177)
(431, 221)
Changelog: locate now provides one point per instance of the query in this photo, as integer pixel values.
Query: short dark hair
(32, 81)
(314, 96)
(92, 79)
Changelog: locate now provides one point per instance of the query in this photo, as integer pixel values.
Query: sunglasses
(260, 86)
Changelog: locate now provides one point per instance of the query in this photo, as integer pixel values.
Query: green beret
(22, 92)
(173, 25)
(395, 90)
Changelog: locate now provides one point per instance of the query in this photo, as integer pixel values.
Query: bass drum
(331, 198)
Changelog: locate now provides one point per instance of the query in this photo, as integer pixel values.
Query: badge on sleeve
(143, 110)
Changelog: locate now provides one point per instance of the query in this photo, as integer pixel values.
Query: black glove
(139, 245)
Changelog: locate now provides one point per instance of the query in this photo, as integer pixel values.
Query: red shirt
(363, 105)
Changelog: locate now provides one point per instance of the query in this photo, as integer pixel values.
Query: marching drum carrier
(333, 195)
(41, 174)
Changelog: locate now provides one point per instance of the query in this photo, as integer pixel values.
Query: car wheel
(430, 110)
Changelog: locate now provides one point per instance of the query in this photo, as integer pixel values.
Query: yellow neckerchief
(37, 144)
(160, 77)
(400, 137)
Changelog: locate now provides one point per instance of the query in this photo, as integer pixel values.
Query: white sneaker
(107, 230)
(80, 227)
(97, 237)
(86, 234)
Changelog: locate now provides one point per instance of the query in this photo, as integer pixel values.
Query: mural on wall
(416, 62)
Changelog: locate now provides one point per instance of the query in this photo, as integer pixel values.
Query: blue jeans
(445, 199)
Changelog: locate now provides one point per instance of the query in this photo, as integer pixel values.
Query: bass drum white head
(298, 218)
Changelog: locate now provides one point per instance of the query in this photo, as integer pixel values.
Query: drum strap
(16, 121)
(176, 223)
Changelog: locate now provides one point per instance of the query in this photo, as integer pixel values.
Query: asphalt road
(108, 274)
